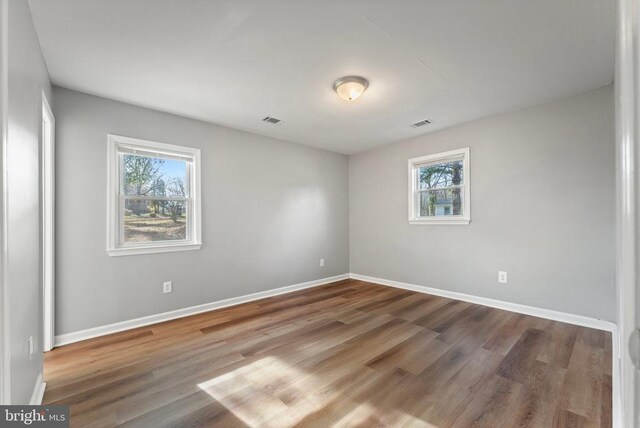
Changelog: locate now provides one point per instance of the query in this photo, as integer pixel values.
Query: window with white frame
(154, 197)
(439, 188)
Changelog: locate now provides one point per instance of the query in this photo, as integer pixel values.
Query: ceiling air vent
(421, 123)
(271, 120)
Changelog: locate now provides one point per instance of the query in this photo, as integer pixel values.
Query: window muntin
(155, 191)
(439, 188)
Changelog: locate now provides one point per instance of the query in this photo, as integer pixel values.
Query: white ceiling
(234, 62)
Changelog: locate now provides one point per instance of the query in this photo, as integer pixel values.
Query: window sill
(461, 221)
(116, 252)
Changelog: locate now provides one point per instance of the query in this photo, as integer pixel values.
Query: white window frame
(114, 217)
(415, 163)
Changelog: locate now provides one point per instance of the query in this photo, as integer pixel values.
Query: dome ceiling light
(350, 87)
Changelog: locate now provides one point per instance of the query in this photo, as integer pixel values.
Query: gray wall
(542, 195)
(27, 78)
(271, 210)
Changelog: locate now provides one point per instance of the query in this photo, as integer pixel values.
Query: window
(154, 197)
(439, 188)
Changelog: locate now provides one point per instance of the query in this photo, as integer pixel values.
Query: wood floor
(346, 354)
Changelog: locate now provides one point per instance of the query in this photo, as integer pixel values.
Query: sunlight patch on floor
(270, 392)
(365, 414)
(252, 393)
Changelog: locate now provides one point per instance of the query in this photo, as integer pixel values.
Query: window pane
(151, 176)
(434, 203)
(148, 220)
(440, 175)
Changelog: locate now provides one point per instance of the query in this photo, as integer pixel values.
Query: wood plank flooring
(349, 353)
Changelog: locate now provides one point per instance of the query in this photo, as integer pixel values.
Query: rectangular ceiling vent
(421, 123)
(271, 120)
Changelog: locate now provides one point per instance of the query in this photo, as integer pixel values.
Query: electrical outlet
(30, 345)
(321, 262)
(502, 276)
(167, 287)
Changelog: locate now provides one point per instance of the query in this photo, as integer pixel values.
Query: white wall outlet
(30, 346)
(502, 276)
(167, 287)
(321, 262)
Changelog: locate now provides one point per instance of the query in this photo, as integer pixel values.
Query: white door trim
(48, 224)
(5, 390)
(627, 121)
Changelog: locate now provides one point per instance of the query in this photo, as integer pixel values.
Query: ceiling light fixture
(350, 87)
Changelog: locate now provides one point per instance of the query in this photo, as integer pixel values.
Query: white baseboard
(580, 320)
(65, 339)
(533, 311)
(38, 392)
(499, 304)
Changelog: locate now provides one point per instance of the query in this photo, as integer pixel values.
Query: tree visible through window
(155, 190)
(439, 188)
(148, 214)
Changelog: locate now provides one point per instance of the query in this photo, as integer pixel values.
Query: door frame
(627, 103)
(5, 372)
(48, 224)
